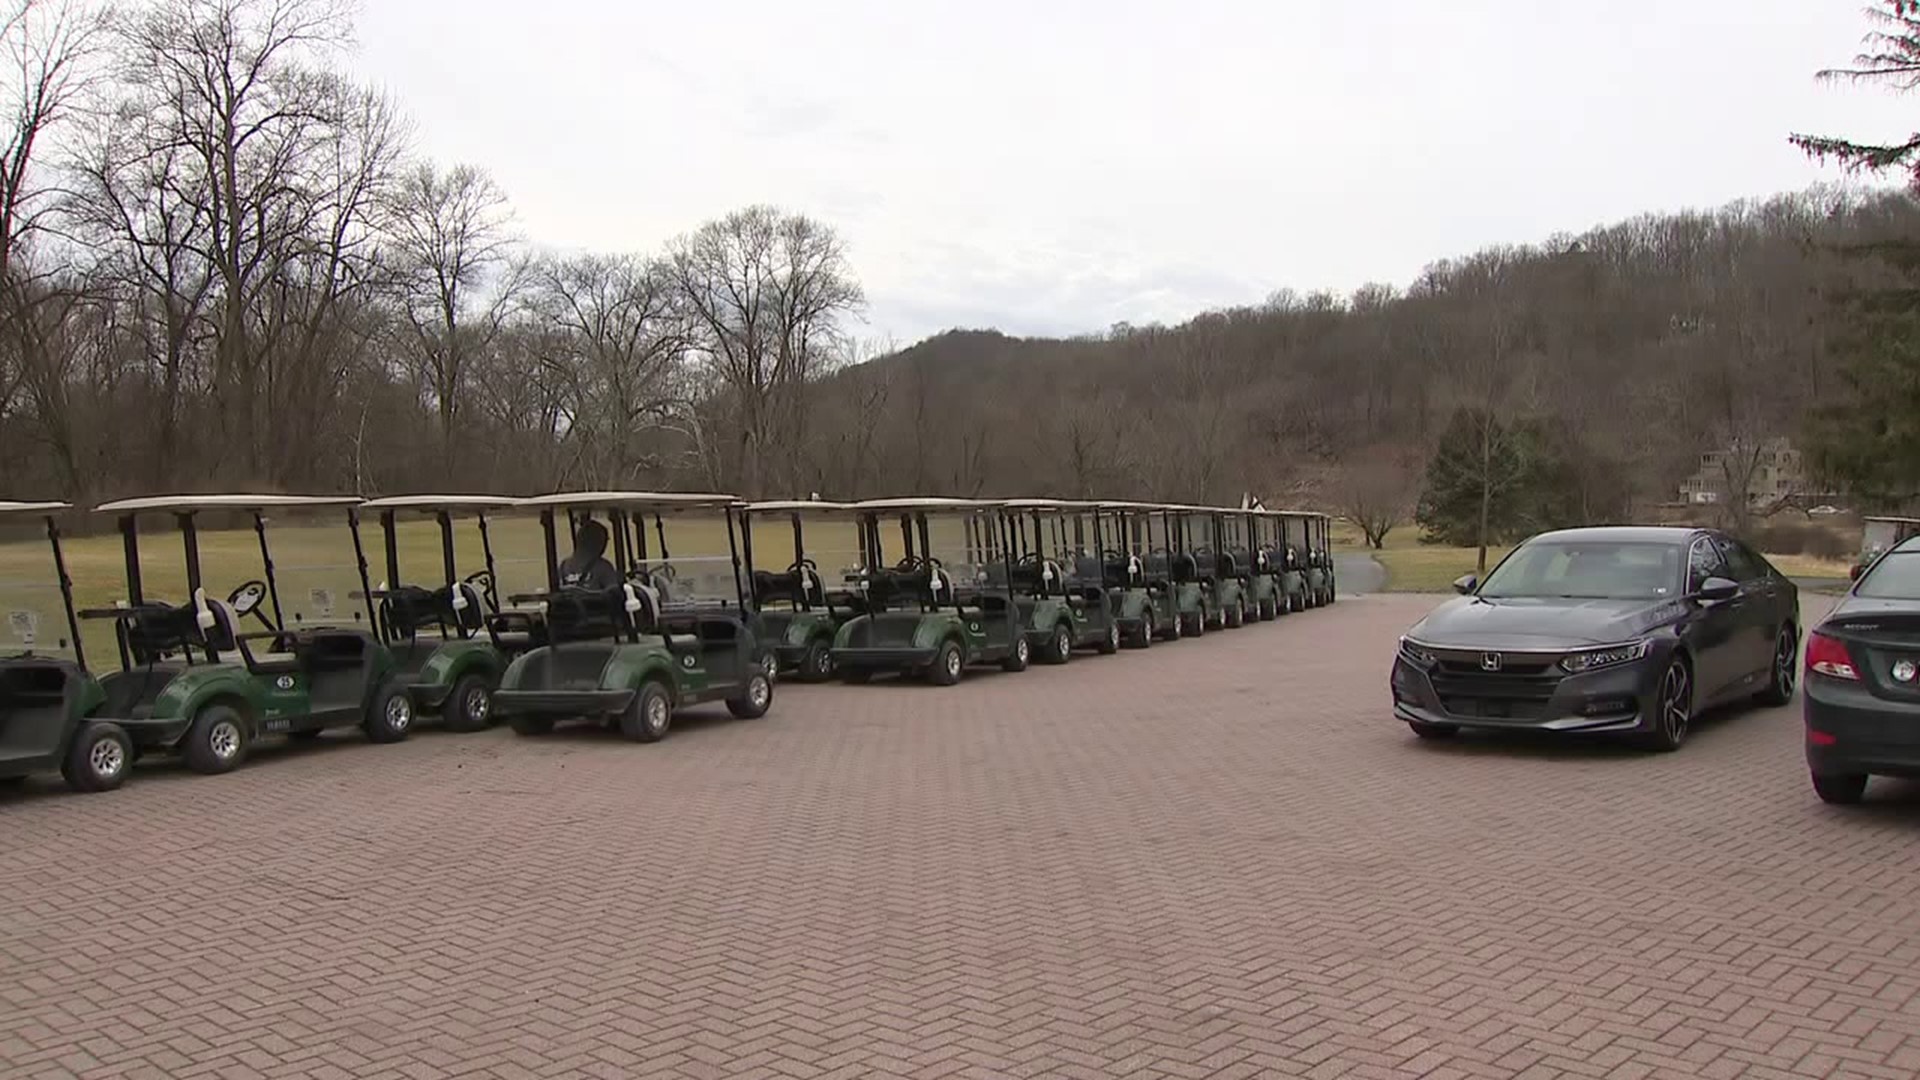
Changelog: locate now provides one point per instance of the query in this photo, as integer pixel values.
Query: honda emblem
(1490, 661)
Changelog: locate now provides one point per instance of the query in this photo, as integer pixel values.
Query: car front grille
(1519, 690)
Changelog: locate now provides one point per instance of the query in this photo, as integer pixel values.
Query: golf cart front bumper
(881, 657)
(560, 704)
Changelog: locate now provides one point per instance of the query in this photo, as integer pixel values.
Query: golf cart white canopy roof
(631, 500)
(930, 504)
(1049, 504)
(190, 504)
(798, 506)
(432, 503)
(7, 507)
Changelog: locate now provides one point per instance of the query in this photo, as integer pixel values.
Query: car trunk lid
(1885, 647)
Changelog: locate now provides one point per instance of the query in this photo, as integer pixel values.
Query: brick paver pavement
(1214, 859)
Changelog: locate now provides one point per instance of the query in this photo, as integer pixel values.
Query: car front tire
(1786, 664)
(1672, 708)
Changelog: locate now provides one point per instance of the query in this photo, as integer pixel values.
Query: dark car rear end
(1862, 690)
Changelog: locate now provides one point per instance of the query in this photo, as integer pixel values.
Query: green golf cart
(198, 679)
(1059, 580)
(437, 632)
(46, 692)
(947, 603)
(1140, 592)
(1223, 596)
(796, 613)
(1293, 556)
(1266, 583)
(1320, 583)
(643, 634)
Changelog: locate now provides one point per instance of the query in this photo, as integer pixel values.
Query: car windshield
(1894, 577)
(1587, 570)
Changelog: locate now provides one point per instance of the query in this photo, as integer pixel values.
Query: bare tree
(1376, 490)
(454, 279)
(768, 293)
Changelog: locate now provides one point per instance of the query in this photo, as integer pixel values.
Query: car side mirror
(1715, 589)
(1464, 584)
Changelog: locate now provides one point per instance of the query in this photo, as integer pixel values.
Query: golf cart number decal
(686, 661)
(23, 624)
(974, 626)
(284, 682)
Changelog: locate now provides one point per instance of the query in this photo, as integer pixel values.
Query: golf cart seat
(222, 634)
(1042, 577)
(799, 586)
(1177, 567)
(648, 617)
(158, 631)
(409, 609)
(576, 614)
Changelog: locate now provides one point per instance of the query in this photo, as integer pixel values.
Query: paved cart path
(1213, 859)
(1358, 573)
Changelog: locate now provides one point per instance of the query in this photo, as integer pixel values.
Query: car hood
(1546, 623)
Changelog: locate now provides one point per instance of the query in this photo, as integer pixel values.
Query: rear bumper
(560, 703)
(899, 656)
(1848, 730)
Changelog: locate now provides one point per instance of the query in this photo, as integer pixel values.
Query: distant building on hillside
(1777, 474)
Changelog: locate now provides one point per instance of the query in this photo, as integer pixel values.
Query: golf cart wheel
(98, 758)
(1267, 614)
(650, 713)
(770, 665)
(469, 704)
(816, 664)
(391, 716)
(1194, 625)
(216, 741)
(755, 698)
(1111, 643)
(1060, 646)
(1020, 657)
(1143, 637)
(1235, 618)
(949, 660)
(531, 725)
(1433, 731)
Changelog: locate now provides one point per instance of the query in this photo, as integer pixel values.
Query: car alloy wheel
(1676, 704)
(1785, 665)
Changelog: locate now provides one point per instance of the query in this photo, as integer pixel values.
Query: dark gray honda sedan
(1628, 630)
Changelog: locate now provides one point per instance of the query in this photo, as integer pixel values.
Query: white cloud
(1058, 167)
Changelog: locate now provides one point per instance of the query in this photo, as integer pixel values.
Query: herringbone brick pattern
(1214, 859)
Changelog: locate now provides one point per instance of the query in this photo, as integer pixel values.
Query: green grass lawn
(1432, 568)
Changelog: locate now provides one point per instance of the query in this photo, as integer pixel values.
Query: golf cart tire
(1111, 643)
(1020, 656)
(816, 664)
(87, 770)
(198, 746)
(1267, 612)
(1236, 618)
(531, 725)
(944, 671)
(856, 676)
(749, 706)
(1143, 637)
(1194, 625)
(633, 721)
(1059, 645)
(457, 714)
(391, 716)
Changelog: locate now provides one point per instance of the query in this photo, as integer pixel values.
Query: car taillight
(1828, 656)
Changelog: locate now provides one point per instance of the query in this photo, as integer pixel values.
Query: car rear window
(1895, 577)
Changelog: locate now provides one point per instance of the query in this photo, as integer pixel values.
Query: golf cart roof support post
(552, 548)
(799, 539)
(622, 542)
(906, 534)
(1006, 557)
(926, 537)
(390, 543)
(266, 564)
(130, 547)
(190, 550)
(447, 560)
(66, 590)
(360, 564)
(640, 542)
(659, 533)
(486, 556)
(733, 549)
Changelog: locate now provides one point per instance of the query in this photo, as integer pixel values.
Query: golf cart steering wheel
(246, 599)
(1028, 559)
(915, 562)
(807, 563)
(480, 579)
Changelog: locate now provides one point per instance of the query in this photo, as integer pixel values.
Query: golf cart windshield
(30, 597)
(686, 556)
(316, 572)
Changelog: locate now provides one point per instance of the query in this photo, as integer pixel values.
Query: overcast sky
(1055, 166)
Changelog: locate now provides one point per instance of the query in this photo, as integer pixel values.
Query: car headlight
(1575, 663)
(1416, 655)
